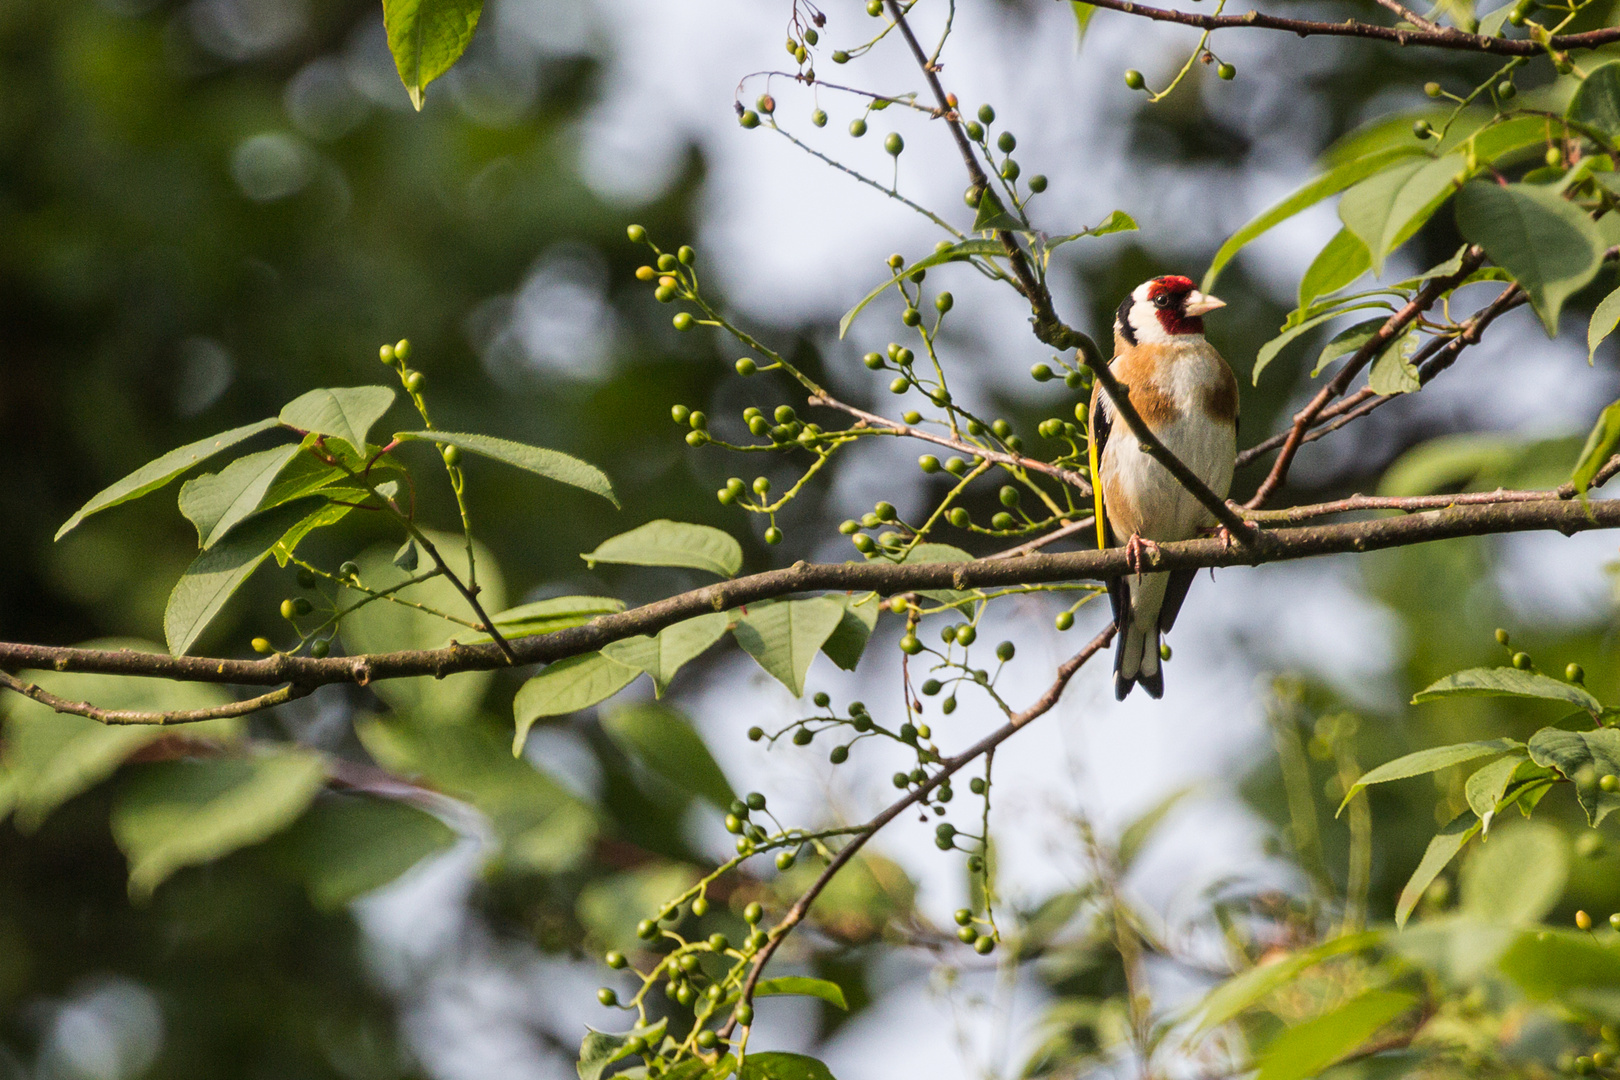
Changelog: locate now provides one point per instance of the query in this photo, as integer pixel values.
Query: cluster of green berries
(1601, 1059)
(1521, 660)
(967, 934)
(1074, 380)
(395, 356)
(1583, 921)
(1006, 142)
(668, 271)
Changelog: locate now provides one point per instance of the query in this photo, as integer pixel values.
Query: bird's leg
(1221, 533)
(1135, 548)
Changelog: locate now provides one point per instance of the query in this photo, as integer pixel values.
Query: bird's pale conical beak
(1199, 304)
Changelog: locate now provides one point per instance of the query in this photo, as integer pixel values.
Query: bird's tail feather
(1136, 649)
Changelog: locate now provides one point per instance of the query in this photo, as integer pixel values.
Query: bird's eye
(1162, 300)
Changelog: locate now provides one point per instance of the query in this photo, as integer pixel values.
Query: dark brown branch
(122, 717)
(1443, 38)
(1557, 514)
(949, 766)
(1393, 327)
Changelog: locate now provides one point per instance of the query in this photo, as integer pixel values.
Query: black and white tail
(1145, 606)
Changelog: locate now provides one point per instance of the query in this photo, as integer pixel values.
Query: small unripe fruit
(749, 119)
(931, 687)
(959, 517)
(900, 385)
(451, 455)
(1065, 620)
(948, 706)
(911, 416)
(928, 463)
(911, 316)
(386, 354)
(857, 127)
(695, 439)
(863, 543)
(1506, 90)
(944, 302)
(402, 349)
(910, 645)
(1005, 651)
(965, 634)
(1008, 496)
(734, 824)
(1041, 373)
(1575, 673)
(756, 733)
(414, 381)
(1007, 142)
(885, 511)
(784, 860)
(682, 321)
(1554, 156)
(1609, 782)
(607, 997)
(1432, 89)
(645, 273)
(1227, 72)
(898, 604)
(636, 233)
(646, 929)
(773, 535)
(753, 913)
(766, 104)
(1002, 521)
(1614, 921)
(874, 8)
(984, 946)
(262, 645)
(894, 144)
(839, 755)
(349, 570)
(687, 254)
(1583, 921)
(967, 935)
(745, 1014)
(664, 293)
(873, 360)
(1010, 170)
(1134, 79)
(987, 115)
(319, 648)
(1422, 129)
(1521, 660)
(1037, 183)
(902, 355)
(1164, 651)
(1501, 636)
(288, 610)
(615, 960)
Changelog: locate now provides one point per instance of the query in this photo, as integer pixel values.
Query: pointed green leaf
(1428, 761)
(1549, 245)
(993, 214)
(155, 474)
(175, 814)
(830, 992)
(785, 636)
(967, 249)
(775, 1065)
(552, 464)
(1392, 372)
(330, 514)
(1331, 182)
(665, 742)
(1597, 100)
(1243, 990)
(1082, 19)
(1346, 342)
(346, 847)
(673, 647)
(1599, 448)
(1118, 221)
(547, 616)
(218, 502)
(214, 575)
(1508, 682)
(672, 543)
(1268, 352)
(1605, 317)
(1341, 262)
(1306, 1049)
(848, 640)
(1384, 211)
(565, 687)
(344, 413)
(1548, 964)
(1489, 783)
(1516, 877)
(1584, 757)
(1441, 850)
(427, 37)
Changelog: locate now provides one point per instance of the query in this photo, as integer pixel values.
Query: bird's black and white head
(1163, 309)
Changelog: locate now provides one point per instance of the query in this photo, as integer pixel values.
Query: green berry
(947, 633)
(910, 645)
(755, 801)
(319, 648)
(1007, 142)
(863, 543)
(687, 254)
(1422, 129)
(773, 535)
(1432, 89)
(451, 455)
(1005, 651)
(874, 8)
(944, 302)
(700, 906)
(1506, 90)
(386, 354)
(287, 609)
(414, 381)
(680, 414)
(1002, 521)
(931, 687)
(646, 929)
(984, 946)
(402, 349)
(967, 935)
(959, 517)
(893, 144)
(987, 115)
(746, 366)
(1521, 660)
(1041, 373)
(1501, 636)
(1008, 496)
(1037, 183)
(753, 913)
(1010, 169)
(857, 127)
(1226, 72)
(928, 463)
(819, 117)
(744, 1014)
(1065, 620)
(1609, 782)
(349, 570)
(615, 960)
(873, 360)
(707, 1040)
(912, 417)
(1575, 673)
(839, 755)
(803, 737)
(908, 733)
(1164, 651)
(696, 438)
(262, 645)
(965, 634)
(948, 706)
(900, 385)
(903, 356)
(977, 785)
(697, 420)
(682, 321)
(1583, 921)
(849, 527)
(734, 824)
(756, 733)
(1134, 79)
(784, 860)
(911, 316)
(636, 233)
(749, 119)
(607, 997)
(765, 103)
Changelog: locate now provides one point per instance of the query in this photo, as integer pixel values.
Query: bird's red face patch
(1168, 295)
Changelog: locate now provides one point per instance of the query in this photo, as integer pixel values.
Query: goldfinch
(1186, 393)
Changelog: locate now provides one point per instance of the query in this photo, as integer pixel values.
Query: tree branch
(949, 766)
(1442, 38)
(121, 717)
(1556, 513)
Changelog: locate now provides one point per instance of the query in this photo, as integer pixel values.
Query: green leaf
(347, 846)
(1346, 342)
(215, 575)
(602, 1048)
(1082, 19)
(1548, 965)
(385, 627)
(775, 1065)
(407, 557)
(1342, 261)
(1584, 757)
(848, 640)
(1516, 877)
(1268, 352)
(1118, 221)
(1135, 836)
(1597, 100)
(345, 413)
(993, 214)
(1428, 761)
(551, 464)
(1306, 1049)
(1547, 243)
(1332, 182)
(50, 757)
(1605, 317)
(1448, 462)
(1491, 25)
(967, 249)
(1489, 783)
(1392, 373)
(1243, 990)
(1600, 446)
(565, 687)
(1385, 210)
(547, 616)
(427, 37)
(1508, 682)
(830, 992)
(665, 742)
(218, 502)
(785, 635)
(942, 553)
(674, 646)
(1441, 850)
(671, 543)
(175, 814)
(155, 474)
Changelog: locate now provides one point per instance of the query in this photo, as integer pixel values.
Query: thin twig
(121, 717)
